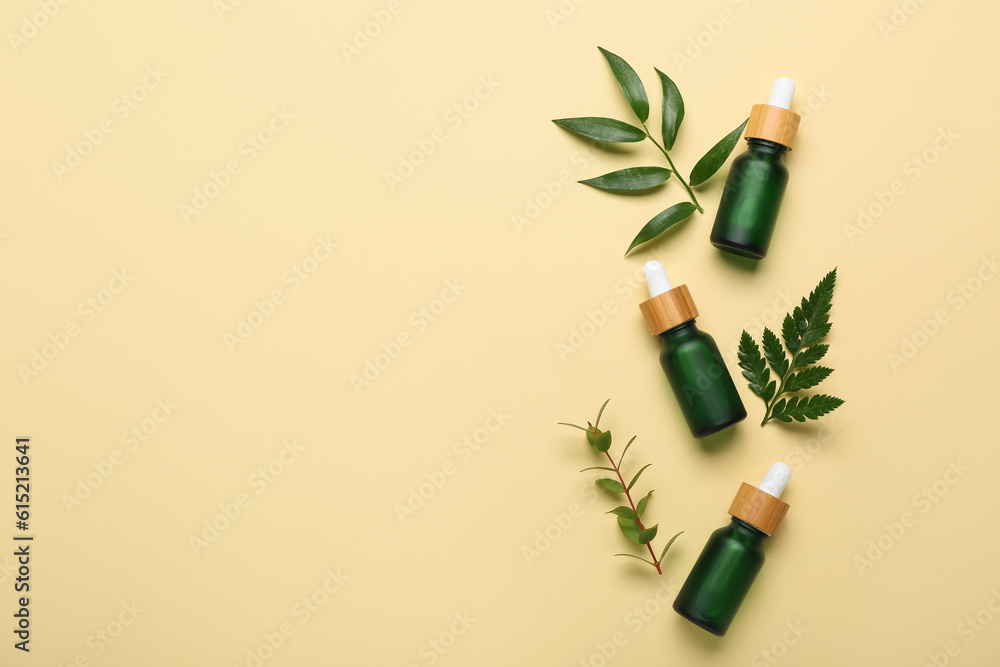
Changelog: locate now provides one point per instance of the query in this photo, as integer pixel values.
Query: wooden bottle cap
(667, 310)
(772, 123)
(758, 508)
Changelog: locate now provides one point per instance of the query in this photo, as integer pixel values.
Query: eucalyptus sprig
(629, 516)
(638, 179)
(802, 331)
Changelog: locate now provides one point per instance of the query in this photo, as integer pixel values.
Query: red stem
(656, 563)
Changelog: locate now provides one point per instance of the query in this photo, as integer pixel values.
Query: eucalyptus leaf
(664, 552)
(715, 157)
(662, 222)
(631, 179)
(673, 110)
(603, 441)
(630, 529)
(622, 457)
(612, 485)
(603, 129)
(627, 513)
(636, 478)
(648, 562)
(624, 511)
(630, 84)
(573, 425)
(597, 422)
(641, 505)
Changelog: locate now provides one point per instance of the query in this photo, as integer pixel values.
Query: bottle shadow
(719, 441)
(705, 640)
(747, 264)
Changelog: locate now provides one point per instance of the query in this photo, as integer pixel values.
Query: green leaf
(673, 110)
(598, 468)
(664, 552)
(809, 407)
(794, 326)
(647, 535)
(811, 356)
(573, 425)
(715, 157)
(648, 562)
(806, 378)
(809, 323)
(801, 331)
(662, 222)
(632, 179)
(630, 84)
(821, 298)
(636, 478)
(630, 529)
(815, 334)
(602, 129)
(601, 412)
(622, 457)
(774, 353)
(753, 365)
(790, 333)
(769, 390)
(779, 405)
(641, 506)
(592, 433)
(603, 441)
(612, 485)
(624, 511)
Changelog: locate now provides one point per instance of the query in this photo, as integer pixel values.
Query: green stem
(781, 388)
(694, 200)
(628, 495)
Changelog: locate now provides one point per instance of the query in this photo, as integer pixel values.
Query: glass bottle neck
(746, 534)
(765, 147)
(680, 333)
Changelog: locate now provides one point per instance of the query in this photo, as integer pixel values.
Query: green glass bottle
(730, 561)
(690, 358)
(750, 201)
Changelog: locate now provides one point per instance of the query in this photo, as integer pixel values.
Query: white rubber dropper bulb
(782, 93)
(775, 479)
(656, 278)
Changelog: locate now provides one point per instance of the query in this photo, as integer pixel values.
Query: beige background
(455, 573)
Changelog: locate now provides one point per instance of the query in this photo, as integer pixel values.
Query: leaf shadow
(627, 193)
(601, 146)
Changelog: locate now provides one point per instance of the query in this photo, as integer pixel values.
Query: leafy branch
(802, 330)
(629, 516)
(638, 179)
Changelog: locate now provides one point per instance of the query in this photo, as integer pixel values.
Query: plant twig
(677, 174)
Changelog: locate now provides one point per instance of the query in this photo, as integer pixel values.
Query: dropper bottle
(730, 561)
(690, 358)
(757, 179)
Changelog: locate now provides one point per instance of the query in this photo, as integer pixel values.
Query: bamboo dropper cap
(774, 121)
(667, 306)
(761, 506)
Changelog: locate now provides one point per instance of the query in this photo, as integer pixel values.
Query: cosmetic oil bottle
(727, 566)
(757, 179)
(690, 357)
